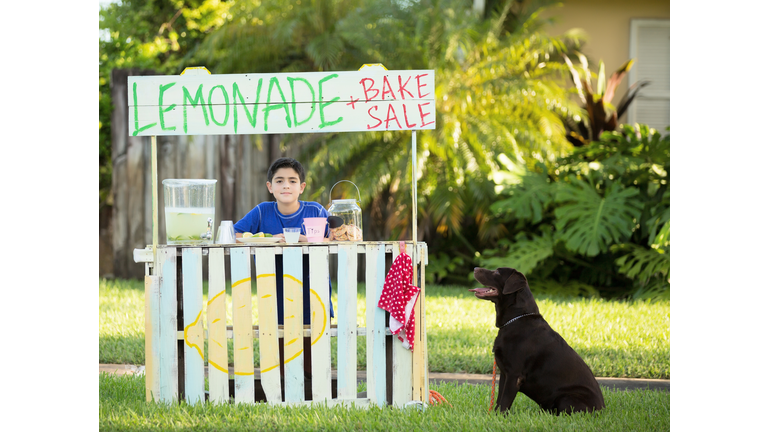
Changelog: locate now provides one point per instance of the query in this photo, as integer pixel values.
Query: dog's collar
(517, 318)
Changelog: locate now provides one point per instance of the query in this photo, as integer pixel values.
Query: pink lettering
(419, 85)
(408, 125)
(384, 92)
(394, 117)
(369, 89)
(373, 117)
(423, 114)
(402, 88)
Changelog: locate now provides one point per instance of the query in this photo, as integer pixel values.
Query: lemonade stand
(186, 336)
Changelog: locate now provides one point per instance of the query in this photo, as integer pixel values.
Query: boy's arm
(248, 221)
(328, 236)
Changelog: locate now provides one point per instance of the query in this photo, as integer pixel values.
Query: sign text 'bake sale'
(372, 99)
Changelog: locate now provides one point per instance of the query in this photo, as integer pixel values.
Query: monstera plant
(599, 217)
(596, 101)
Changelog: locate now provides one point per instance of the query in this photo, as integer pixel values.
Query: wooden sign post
(370, 99)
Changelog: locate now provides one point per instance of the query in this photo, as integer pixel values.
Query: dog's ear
(515, 282)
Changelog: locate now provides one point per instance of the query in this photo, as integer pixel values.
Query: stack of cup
(226, 233)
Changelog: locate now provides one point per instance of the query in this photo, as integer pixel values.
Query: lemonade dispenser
(190, 207)
(351, 215)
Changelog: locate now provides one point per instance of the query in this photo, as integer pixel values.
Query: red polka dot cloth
(399, 297)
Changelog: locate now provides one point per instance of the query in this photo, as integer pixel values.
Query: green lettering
(226, 103)
(236, 93)
(163, 88)
(293, 99)
(284, 105)
(136, 114)
(198, 100)
(323, 123)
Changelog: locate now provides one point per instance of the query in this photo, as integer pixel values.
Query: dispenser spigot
(208, 234)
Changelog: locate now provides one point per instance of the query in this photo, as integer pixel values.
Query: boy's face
(286, 186)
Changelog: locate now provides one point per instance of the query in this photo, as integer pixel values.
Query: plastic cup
(226, 233)
(291, 234)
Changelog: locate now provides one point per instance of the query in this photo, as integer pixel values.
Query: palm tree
(495, 97)
(279, 36)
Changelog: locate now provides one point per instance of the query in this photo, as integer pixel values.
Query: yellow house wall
(606, 23)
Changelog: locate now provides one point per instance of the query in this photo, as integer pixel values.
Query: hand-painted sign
(373, 99)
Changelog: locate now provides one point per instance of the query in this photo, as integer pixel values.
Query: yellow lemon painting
(293, 327)
(217, 326)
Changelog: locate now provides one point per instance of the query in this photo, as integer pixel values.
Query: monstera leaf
(658, 227)
(529, 200)
(524, 254)
(590, 223)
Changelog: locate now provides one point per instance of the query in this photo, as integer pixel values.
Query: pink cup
(315, 228)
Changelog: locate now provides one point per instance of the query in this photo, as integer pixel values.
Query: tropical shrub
(597, 221)
(600, 114)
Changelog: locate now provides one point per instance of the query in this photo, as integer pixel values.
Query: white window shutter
(649, 46)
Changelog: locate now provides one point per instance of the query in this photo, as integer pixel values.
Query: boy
(285, 181)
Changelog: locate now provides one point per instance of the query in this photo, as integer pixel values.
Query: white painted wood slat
(422, 256)
(382, 116)
(168, 369)
(242, 324)
(320, 323)
(402, 359)
(218, 371)
(375, 323)
(300, 87)
(192, 281)
(347, 322)
(152, 335)
(269, 355)
(293, 324)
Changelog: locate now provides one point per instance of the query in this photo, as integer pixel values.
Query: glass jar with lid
(348, 210)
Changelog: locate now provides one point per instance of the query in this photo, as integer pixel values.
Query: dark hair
(285, 162)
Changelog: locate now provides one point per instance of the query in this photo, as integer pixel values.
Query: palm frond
(524, 254)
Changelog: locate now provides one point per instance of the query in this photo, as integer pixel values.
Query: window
(649, 46)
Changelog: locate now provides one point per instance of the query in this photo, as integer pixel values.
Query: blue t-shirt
(267, 219)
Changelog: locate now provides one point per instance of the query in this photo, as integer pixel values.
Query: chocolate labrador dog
(531, 357)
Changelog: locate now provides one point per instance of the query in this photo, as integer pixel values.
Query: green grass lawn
(615, 338)
(122, 408)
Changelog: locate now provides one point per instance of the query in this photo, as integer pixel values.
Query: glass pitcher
(190, 211)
